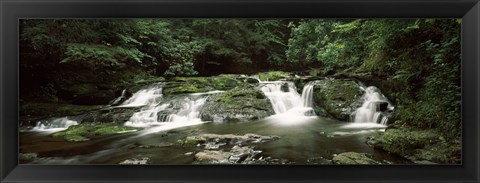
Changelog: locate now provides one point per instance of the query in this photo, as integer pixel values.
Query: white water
(115, 101)
(369, 112)
(289, 106)
(54, 125)
(151, 99)
(144, 97)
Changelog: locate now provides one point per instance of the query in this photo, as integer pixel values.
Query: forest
(221, 84)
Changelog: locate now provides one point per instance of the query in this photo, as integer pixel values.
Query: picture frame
(12, 11)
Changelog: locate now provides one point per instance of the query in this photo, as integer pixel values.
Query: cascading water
(54, 125)
(145, 97)
(181, 111)
(285, 99)
(117, 100)
(374, 104)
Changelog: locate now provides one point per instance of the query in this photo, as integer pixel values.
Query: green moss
(419, 144)
(32, 111)
(84, 132)
(273, 75)
(182, 88)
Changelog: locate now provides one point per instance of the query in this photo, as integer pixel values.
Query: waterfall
(178, 112)
(189, 111)
(307, 95)
(187, 115)
(117, 100)
(145, 97)
(54, 125)
(374, 104)
(285, 99)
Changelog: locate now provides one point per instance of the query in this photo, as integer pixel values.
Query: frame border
(11, 11)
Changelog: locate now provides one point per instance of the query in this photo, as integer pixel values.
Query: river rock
(337, 97)
(27, 157)
(109, 115)
(136, 161)
(236, 155)
(419, 145)
(228, 139)
(353, 158)
(239, 104)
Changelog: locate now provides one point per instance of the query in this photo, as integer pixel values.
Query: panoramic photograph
(240, 91)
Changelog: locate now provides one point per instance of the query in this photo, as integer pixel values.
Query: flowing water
(370, 111)
(304, 137)
(285, 99)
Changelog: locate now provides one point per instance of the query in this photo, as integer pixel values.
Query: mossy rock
(419, 144)
(117, 115)
(241, 103)
(339, 97)
(27, 157)
(84, 132)
(353, 158)
(179, 85)
(32, 112)
(274, 75)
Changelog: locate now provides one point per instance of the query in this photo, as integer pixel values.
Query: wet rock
(238, 104)
(338, 97)
(118, 115)
(236, 155)
(353, 158)
(213, 145)
(274, 75)
(32, 112)
(85, 132)
(160, 145)
(228, 139)
(27, 157)
(319, 160)
(251, 80)
(136, 161)
(425, 162)
(419, 145)
(370, 141)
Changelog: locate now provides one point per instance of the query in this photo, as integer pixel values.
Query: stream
(304, 137)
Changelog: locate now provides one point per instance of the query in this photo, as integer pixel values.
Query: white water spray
(54, 125)
(370, 111)
(117, 100)
(286, 101)
(144, 97)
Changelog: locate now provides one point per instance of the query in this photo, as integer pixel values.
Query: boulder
(118, 115)
(338, 97)
(228, 139)
(239, 104)
(419, 145)
(353, 158)
(136, 161)
(236, 155)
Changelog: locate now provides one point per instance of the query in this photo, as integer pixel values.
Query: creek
(304, 137)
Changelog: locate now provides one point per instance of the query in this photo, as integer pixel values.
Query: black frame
(11, 11)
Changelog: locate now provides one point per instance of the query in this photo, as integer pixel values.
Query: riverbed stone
(239, 104)
(236, 155)
(136, 161)
(228, 139)
(27, 157)
(339, 98)
(353, 158)
(85, 132)
(117, 115)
